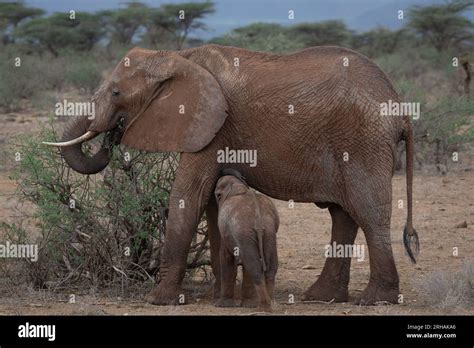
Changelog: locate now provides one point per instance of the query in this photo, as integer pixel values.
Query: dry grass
(449, 290)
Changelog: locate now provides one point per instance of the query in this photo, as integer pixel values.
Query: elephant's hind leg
(249, 294)
(371, 208)
(249, 291)
(252, 265)
(215, 242)
(333, 282)
(228, 271)
(271, 259)
(383, 282)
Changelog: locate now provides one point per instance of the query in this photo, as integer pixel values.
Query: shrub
(16, 83)
(444, 125)
(444, 129)
(100, 230)
(36, 74)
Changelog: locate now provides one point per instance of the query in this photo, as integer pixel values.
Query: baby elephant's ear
(187, 111)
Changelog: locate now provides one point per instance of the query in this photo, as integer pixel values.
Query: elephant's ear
(185, 115)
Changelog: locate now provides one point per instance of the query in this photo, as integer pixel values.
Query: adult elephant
(314, 118)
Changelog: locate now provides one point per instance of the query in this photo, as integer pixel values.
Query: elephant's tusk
(86, 136)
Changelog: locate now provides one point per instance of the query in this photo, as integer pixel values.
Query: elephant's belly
(309, 178)
(291, 159)
(312, 193)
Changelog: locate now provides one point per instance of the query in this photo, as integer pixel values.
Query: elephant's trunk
(73, 154)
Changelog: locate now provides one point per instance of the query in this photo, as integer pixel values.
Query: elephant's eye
(115, 92)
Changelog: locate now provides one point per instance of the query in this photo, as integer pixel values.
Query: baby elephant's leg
(253, 266)
(228, 269)
(271, 260)
(249, 295)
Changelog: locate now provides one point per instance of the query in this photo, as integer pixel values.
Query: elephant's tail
(410, 236)
(260, 248)
(259, 231)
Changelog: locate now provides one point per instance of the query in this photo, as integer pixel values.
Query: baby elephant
(248, 223)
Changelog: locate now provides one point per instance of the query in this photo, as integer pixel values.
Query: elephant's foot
(376, 294)
(249, 296)
(267, 307)
(324, 291)
(216, 290)
(226, 302)
(164, 295)
(251, 302)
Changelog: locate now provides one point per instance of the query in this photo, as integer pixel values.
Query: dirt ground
(441, 204)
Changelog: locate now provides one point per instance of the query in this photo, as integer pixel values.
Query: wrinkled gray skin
(248, 223)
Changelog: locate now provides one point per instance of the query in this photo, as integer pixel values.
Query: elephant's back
(248, 211)
(313, 83)
(236, 213)
(320, 89)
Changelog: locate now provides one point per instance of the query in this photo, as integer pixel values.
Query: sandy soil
(441, 203)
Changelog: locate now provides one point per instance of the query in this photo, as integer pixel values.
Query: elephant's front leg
(194, 182)
(228, 275)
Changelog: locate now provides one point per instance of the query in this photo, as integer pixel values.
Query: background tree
(443, 25)
(156, 35)
(11, 14)
(59, 31)
(331, 32)
(124, 24)
(90, 28)
(380, 41)
(181, 19)
(269, 37)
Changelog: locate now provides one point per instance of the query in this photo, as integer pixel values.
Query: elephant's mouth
(114, 136)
